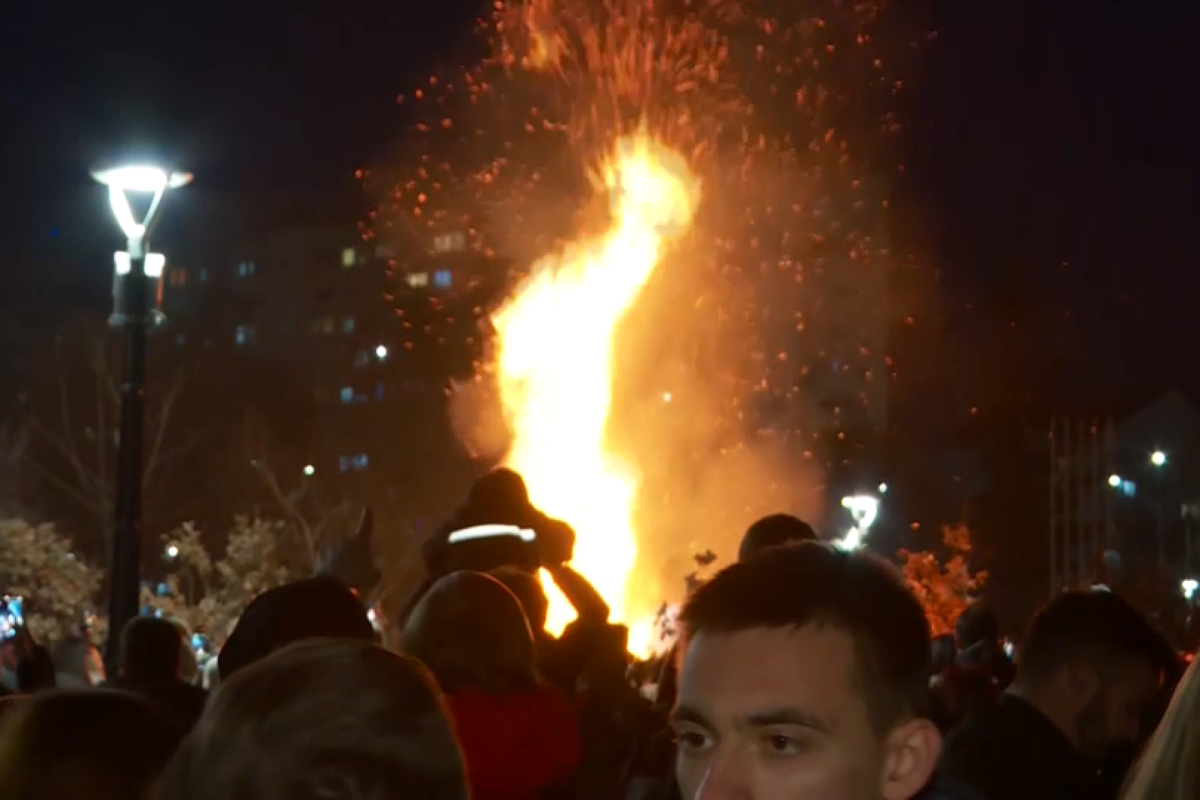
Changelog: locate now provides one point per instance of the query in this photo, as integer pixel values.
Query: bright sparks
(555, 369)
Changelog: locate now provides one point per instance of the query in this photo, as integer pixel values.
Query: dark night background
(1044, 220)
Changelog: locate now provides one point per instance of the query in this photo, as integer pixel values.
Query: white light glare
(667, 397)
(883, 488)
(1189, 587)
(1114, 481)
(309, 470)
(142, 179)
(490, 532)
(153, 265)
(1158, 458)
(864, 509)
(172, 551)
(381, 352)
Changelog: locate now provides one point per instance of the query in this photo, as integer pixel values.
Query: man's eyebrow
(789, 716)
(686, 713)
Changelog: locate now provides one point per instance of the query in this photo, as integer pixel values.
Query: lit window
(179, 277)
(1128, 488)
(418, 279)
(362, 359)
(380, 390)
(348, 325)
(347, 394)
(323, 325)
(349, 257)
(204, 276)
(243, 335)
(385, 251)
(354, 463)
(245, 269)
(441, 279)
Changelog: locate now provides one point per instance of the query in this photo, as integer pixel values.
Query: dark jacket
(1013, 752)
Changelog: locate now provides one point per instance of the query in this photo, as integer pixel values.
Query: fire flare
(555, 366)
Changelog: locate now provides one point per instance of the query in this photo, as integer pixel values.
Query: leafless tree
(74, 422)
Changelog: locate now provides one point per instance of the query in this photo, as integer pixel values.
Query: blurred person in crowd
(151, 664)
(804, 675)
(320, 607)
(84, 744)
(961, 692)
(78, 663)
(1087, 671)
(1169, 766)
(519, 735)
(35, 671)
(341, 719)
(977, 637)
(945, 653)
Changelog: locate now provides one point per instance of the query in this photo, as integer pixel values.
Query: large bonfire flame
(556, 367)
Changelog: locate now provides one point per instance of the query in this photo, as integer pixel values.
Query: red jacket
(516, 746)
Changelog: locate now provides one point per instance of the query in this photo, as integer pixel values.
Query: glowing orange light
(555, 369)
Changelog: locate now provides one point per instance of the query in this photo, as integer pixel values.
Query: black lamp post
(137, 270)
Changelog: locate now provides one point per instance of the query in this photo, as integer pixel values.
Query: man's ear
(910, 755)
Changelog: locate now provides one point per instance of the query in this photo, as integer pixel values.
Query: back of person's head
(337, 719)
(977, 623)
(313, 608)
(528, 590)
(853, 592)
(35, 671)
(1168, 768)
(89, 744)
(151, 650)
(772, 531)
(1095, 626)
(472, 633)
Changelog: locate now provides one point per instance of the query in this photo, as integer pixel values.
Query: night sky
(1049, 203)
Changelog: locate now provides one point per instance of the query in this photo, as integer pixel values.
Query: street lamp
(1158, 458)
(381, 352)
(309, 470)
(1114, 481)
(135, 269)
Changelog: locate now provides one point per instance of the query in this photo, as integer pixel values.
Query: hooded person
(319, 607)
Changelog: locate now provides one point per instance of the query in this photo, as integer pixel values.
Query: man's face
(1113, 715)
(773, 714)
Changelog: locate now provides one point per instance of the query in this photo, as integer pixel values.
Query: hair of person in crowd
(151, 651)
(977, 623)
(312, 608)
(87, 744)
(35, 670)
(1090, 663)
(471, 632)
(822, 658)
(528, 590)
(1168, 768)
(772, 531)
(330, 718)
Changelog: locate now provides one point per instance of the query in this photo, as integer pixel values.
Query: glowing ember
(555, 369)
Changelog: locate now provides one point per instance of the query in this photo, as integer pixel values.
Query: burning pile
(555, 369)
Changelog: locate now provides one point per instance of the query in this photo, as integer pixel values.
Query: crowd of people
(801, 672)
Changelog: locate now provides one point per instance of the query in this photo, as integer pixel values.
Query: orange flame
(555, 368)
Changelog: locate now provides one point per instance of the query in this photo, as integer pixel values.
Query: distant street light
(309, 470)
(1114, 481)
(1158, 458)
(135, 270)
(172, 551)
(381, 352)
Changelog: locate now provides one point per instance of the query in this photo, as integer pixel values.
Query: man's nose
(725, 779)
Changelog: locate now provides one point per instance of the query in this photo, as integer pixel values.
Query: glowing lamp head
(1114, 481)
(142, 179)
(309, 470)
(381, 352)
(172, 551)
(1158, 458)
(1189, 587)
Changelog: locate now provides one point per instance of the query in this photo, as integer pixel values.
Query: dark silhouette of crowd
(801, 672)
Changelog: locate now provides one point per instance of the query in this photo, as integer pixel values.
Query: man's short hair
(977, 623)
(775, 530)
(151, 649)
(322, 718)
(1084, 624)
(854, 592)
